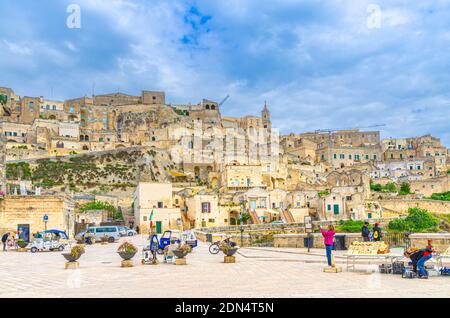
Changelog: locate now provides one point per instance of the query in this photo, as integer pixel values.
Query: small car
(126, 231)
(51, 240)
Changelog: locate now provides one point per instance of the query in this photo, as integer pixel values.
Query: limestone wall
(15, 210)
(402, 206)
(440, 241)
(298, 240)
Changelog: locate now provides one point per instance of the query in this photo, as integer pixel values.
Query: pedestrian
(427, 254)
(4, 240)
(377, 233)
(137, 229)
(328, 238)
(16, 240)
(365, 232)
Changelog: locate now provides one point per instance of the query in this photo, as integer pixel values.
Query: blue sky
(317, 63)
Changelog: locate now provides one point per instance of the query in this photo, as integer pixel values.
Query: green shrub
(443, 196)
(405, 188)
(418, 220)
(350, 226)
(389, 187)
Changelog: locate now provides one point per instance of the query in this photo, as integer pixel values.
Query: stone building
(27, 212)
(155, 198)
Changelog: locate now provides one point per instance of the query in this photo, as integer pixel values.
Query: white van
(112, 232)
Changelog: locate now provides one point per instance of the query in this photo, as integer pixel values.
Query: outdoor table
(386, 257)
(440, 258)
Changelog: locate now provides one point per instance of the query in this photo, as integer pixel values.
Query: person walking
(377, 233)
(328, 238)
(4, 240)
(365, 232)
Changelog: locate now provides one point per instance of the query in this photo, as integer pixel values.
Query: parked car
(126, 231)
(112, 232)
(50, 240)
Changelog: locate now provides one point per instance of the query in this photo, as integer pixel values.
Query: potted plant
(104, 239)
(182, 251)
(21, 243)
(74, 254)
(228, 250)
(127, 251)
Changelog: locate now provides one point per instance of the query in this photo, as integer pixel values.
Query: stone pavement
(258, 272)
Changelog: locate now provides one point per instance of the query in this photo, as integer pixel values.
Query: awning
(176, 174)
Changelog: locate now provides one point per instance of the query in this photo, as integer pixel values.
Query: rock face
(2, 165)
(120, 168)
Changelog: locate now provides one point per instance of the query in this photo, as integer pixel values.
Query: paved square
(257, 273)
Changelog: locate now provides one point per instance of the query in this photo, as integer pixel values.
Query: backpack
(375, 234)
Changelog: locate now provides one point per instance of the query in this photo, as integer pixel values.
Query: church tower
(265, 116)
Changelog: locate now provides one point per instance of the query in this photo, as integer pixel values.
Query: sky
(335, 64)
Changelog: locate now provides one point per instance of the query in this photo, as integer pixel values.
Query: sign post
(45, 223)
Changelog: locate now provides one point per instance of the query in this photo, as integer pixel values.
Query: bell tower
(265, 116)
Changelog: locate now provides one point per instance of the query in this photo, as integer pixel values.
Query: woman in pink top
(328, 237)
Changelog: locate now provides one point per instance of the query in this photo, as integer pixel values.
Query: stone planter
(70, 258)
(229, 259)
(179, 253)
(126, 256)
(231, 251)
(22, 244)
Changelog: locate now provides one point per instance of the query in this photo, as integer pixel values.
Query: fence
(397, 239)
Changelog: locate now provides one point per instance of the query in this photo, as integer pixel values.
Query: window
(262, 203)
(336, 209)
(335, 156)
(374, 157)
(348, 198)
(349, 156)
(342, 156)
(206, 207)
(72, 109)
(329, 207)
(160, 205)
(367, 157)
(211, 220)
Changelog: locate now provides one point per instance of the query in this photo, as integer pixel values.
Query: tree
(405, 188)
(245, 217)
(418, 220)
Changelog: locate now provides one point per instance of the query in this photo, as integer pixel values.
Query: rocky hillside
(114, 169)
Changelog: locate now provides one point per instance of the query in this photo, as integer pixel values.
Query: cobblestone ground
(257, 273)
